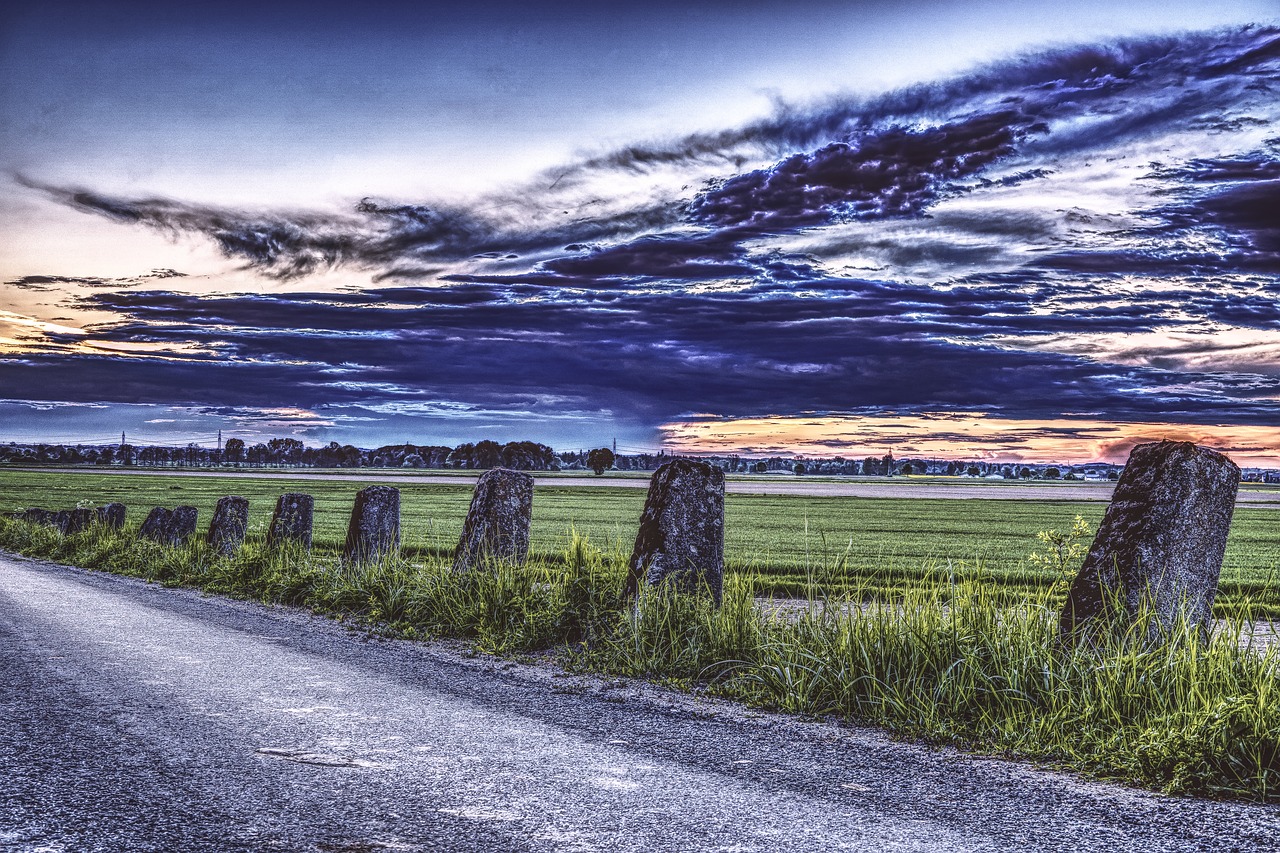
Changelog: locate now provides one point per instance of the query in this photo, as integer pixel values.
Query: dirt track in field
(1266, 498)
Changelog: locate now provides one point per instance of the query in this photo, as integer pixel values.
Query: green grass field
(787, 540)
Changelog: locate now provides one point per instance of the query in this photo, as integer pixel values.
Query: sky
(1001, 229)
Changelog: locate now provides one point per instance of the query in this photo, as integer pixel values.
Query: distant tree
(761, 467)
(463, 456)
(233, 450)
(1052, 473)
(973, 471)
(488, 454)
(413, 460)
(799, 469)
(1025, 473)
(126, 454)
(887, 464)
(285, 451)
(1070, 475)
(600, 459)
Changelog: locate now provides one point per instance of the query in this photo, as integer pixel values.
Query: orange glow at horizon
(959, 435)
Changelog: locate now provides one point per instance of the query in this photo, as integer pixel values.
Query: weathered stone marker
(681, 538)
(374, 531)
(36, 515)
(155, 525)
(182, 524)
(497, 525)
(291, 521)
(1160, 544)
(111, 516)
(78, 520)
(228, 526)
(61, 519)
(169, 527)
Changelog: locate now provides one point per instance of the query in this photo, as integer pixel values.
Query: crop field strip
(788, 541)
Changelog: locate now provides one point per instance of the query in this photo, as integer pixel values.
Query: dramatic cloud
(979, 245)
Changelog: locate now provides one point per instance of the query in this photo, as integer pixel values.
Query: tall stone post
(374, 531)
(497, 525)
(681, 538)
(1160, 544)
(228, 526)
(291, 521)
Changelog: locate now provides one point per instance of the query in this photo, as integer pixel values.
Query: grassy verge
(946, 662)
(886, 544)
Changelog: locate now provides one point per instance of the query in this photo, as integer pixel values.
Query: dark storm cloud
(848, 158)
(399, 241)
(1232, 202)
(51, 282)
(644, 357)
(1050, 84)
(893, 172)
(695, 304)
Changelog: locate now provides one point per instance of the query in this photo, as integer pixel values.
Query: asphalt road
(134, 717)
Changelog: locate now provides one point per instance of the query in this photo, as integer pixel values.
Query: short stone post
(182, 524)
(291, 521)
(1160, 544)
(61, 519)
(681, 538)
(79, 520)
(497, 525)
(111, 516)
(155, 525)
(228, 526)
(169, 527)
(374, 531)
(36, 515)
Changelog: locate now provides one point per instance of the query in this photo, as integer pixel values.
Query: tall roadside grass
(951, 661)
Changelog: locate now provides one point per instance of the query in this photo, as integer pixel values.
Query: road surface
(134, 717)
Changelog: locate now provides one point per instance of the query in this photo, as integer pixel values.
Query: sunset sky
(1003, 230)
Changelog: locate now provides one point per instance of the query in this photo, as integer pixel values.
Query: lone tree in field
(600, 459)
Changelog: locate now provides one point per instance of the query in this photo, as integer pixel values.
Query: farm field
(790, 540)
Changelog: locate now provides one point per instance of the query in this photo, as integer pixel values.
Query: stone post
(182, 524)
(1160, 544)
(111, 516)
(681, 538)
(36, 515)
(291, 521)
(374, 531)
(169, 527)
(155, 525)
(79, 520)
(497, 525)
(229, 524)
